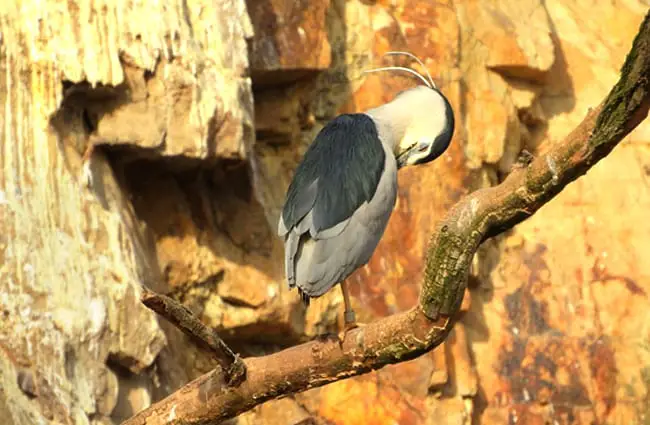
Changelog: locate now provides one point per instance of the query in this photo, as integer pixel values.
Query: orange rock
(290, 40)
(367, 400)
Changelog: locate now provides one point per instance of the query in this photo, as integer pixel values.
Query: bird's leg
(348, 314)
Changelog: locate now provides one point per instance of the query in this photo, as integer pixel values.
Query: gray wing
(316, 260)
(339, 173)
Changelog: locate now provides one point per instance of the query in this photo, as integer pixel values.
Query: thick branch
(177, 314)
(404, 336)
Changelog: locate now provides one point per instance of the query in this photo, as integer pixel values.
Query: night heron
(344, 189)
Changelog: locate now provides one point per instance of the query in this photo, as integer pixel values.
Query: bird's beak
(401, 160)
(403, 157)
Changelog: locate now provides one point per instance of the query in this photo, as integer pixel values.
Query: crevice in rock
(135, 391)
(201, 216)
(77, 118)
(206, 287)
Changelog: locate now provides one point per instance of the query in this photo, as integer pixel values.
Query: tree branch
(232, 365)
(482, 214)
(488, 212)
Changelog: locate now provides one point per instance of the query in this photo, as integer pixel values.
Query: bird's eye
(423, 147)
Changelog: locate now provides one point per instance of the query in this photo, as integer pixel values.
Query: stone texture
(193, 110)
(215, 248)
(553, 329)
(290, 40)
(507, 53)
(284, 411)
(153, 79)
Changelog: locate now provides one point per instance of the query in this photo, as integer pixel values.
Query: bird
(344, 189)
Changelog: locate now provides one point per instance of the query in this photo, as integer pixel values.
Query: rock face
(152, 143)
(84, 88)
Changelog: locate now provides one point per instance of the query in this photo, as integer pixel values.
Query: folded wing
(327, 214)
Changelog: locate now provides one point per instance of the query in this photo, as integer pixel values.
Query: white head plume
(428, 83)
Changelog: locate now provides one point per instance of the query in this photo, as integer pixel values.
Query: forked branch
(482, 214)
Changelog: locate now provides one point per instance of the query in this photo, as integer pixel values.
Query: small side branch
(233, 367)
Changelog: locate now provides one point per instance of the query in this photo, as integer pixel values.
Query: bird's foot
(350, 323)
(348, 327)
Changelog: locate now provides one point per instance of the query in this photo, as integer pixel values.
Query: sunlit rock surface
(152, 143)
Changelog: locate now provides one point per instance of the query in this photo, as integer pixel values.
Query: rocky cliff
(152, 143)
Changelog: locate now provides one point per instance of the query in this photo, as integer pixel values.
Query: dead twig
(233, 366)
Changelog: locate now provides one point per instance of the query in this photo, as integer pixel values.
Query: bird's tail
(292, 245)
(291, 249)
(304, 297)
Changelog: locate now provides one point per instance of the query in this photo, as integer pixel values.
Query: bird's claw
(349, 325)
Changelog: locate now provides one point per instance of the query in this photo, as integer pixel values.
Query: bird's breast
(384, 200)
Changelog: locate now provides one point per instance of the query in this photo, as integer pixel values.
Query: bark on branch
(483, 214)
(180, 316)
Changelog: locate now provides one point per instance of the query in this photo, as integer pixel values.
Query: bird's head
(430, 126)
(418, 123)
